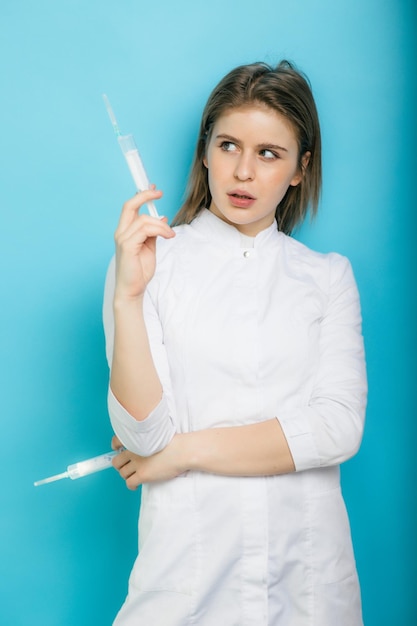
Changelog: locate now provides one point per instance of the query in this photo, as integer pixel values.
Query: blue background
(67, 548)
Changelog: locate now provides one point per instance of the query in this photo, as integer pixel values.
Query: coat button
(246, 254)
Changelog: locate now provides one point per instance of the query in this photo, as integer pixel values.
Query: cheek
(296, 176)
(278, 188)
(212, 183)
(290, 178)
(215, 172)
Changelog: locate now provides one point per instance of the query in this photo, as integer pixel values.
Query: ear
(305, 159)
(205, 163)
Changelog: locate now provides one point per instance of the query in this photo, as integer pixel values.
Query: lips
(240, 198)
(239, 193)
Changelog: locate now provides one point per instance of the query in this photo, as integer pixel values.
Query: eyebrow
(265, 146)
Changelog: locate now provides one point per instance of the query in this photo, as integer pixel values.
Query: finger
(129, 475)
(132, 482)
(127, 470)
(116, 444)
(135, 248)
(142, 228)
(121, 459)
(131, 207)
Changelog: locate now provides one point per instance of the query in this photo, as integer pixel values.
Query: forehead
(256, 121)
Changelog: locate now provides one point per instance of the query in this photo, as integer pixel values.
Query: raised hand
(135, 239)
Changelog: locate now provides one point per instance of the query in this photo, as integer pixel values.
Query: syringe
(83, 468)
(132, 156)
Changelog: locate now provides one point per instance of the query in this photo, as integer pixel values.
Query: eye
(268, 154)
(228, 146)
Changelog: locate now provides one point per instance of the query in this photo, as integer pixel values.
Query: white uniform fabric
(240, 336)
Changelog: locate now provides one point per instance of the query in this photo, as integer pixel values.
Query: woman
(238, 381)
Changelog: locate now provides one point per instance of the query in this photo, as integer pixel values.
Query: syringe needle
(51, 479)
(111, 115)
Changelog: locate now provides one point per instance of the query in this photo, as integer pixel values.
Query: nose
(245, 168)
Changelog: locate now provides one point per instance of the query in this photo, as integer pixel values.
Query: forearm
(134, 380)
(252, 450)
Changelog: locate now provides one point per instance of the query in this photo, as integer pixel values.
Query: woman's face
(252, 159)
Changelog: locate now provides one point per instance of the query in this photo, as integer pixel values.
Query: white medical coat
(241, 335)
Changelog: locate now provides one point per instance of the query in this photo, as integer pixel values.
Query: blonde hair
(285, 90)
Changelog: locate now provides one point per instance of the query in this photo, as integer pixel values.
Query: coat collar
(215, 229)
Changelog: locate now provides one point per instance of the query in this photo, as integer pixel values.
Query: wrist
(123, 302)
(186, 452)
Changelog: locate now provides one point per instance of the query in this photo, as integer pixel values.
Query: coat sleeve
(329, 430)
(155, 432)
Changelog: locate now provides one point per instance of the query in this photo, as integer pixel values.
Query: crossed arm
(253, 450)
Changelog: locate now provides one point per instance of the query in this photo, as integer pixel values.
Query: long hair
(285, 90)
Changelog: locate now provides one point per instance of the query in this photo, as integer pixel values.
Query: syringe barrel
(132, 156)
(96, 464)
(135, 165)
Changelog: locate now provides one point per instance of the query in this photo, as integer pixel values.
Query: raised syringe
(132, 156)
(83, 468)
